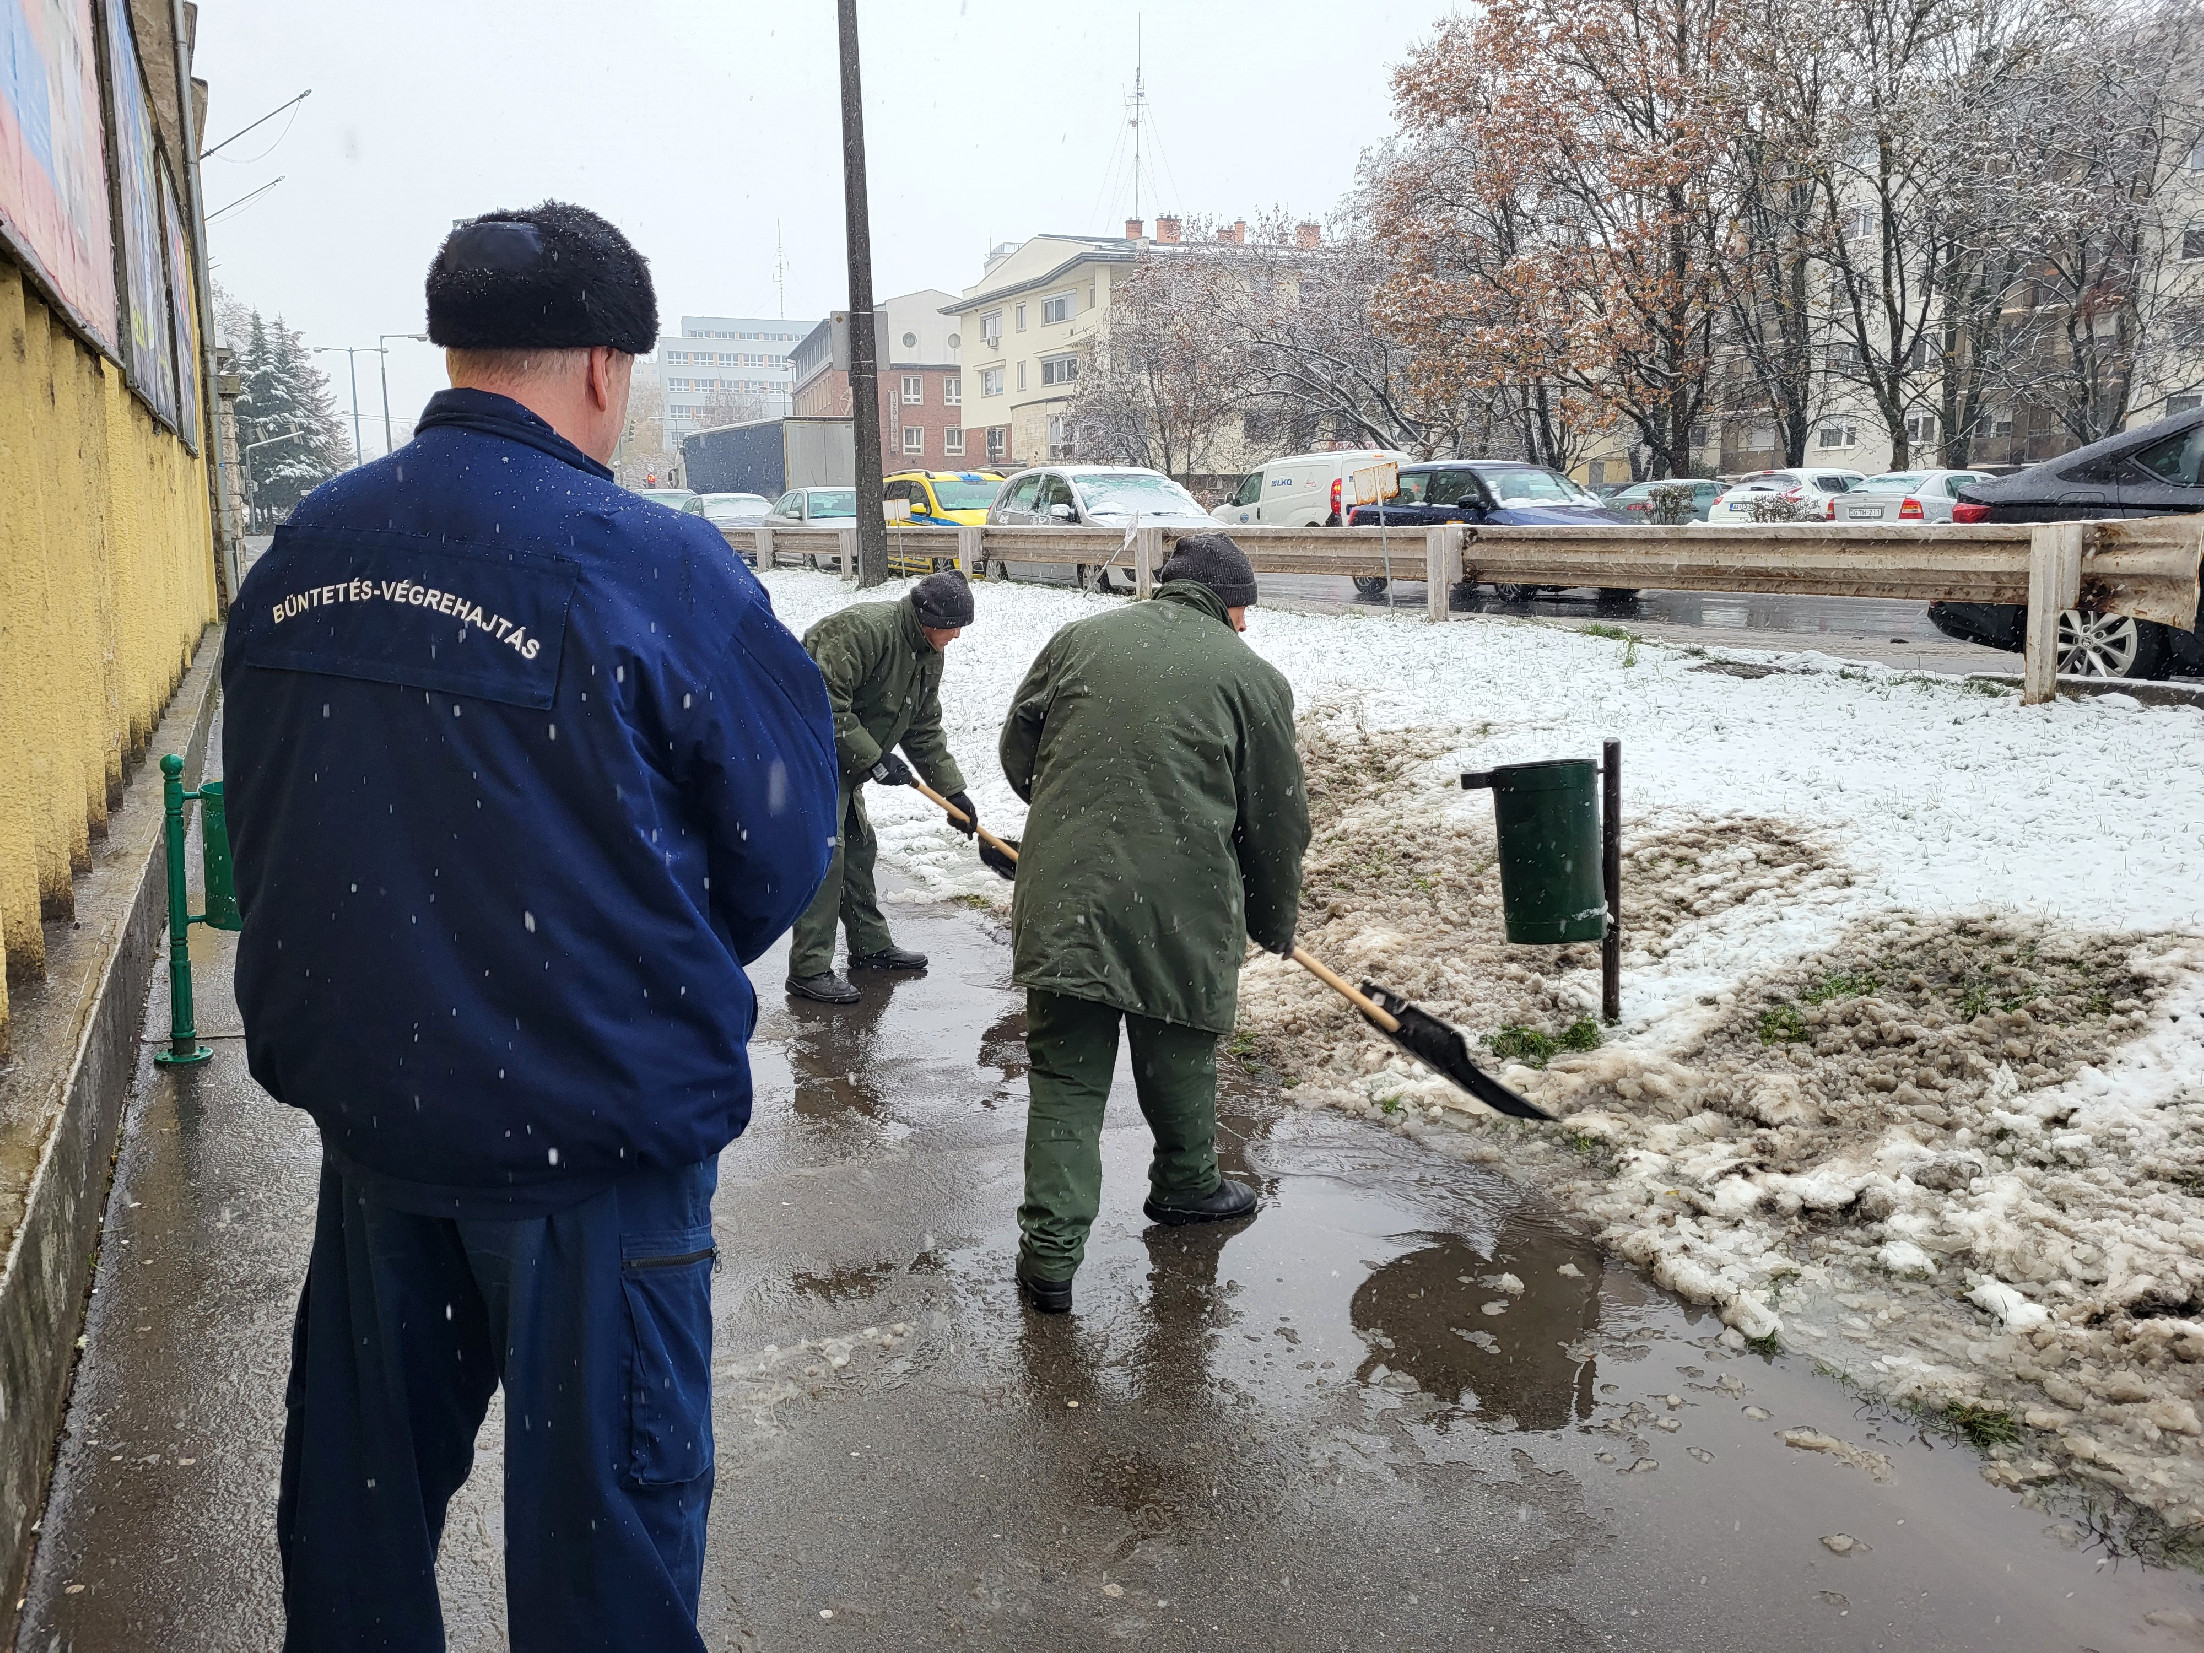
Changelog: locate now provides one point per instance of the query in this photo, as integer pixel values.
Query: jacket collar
(488, 414)
(1195, 595)
(914, 633)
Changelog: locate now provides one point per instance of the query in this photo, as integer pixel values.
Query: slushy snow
(1908, 1074)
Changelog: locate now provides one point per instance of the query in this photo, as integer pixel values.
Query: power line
(263, 121)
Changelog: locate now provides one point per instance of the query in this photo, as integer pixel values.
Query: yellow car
(941, 499)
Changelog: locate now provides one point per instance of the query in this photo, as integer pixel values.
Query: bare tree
(1165, 380)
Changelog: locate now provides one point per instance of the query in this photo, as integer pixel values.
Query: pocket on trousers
(667, 1280)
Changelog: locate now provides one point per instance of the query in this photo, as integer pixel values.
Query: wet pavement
(1405, 1406)
(1852, 628)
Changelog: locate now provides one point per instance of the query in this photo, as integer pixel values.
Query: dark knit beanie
(554, 277)
(943, 601)
(1214, 561)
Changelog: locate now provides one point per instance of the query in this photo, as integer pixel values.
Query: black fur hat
(552, 277)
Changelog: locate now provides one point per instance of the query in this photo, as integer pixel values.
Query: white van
(1306, 490)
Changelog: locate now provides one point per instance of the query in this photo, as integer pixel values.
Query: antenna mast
(780, 269)
(1138, 104)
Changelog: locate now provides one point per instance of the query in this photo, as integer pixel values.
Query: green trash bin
(1548, 817)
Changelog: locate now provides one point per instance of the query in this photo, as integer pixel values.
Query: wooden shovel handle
(956, 814)
(1345, 989)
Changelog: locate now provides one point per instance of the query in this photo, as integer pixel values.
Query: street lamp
(351, 353)
(382, 352)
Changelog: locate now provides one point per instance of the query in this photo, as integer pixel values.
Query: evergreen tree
(286, 420)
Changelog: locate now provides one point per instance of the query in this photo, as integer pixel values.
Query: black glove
(993, 857)
(962, 803)
(1285, 951)
(892, 771)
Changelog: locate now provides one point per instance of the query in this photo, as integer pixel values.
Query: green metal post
(184, 1047)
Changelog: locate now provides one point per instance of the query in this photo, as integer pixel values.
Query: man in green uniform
(882, 663)
(1169, 816)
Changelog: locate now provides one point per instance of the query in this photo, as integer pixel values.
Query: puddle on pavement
(1409, 1316)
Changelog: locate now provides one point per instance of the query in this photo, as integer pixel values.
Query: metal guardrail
(2144, 567)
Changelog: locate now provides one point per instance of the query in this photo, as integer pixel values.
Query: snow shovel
(1438, 1045)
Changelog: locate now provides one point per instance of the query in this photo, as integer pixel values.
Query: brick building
(921, 385)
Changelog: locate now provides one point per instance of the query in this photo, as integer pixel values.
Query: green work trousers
(848, 895)
(1071, 1046)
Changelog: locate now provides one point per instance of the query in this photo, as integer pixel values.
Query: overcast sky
(703, 127)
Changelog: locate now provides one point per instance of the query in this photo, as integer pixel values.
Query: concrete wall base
(61, 1095)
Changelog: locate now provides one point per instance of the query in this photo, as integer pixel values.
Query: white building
(721, 369)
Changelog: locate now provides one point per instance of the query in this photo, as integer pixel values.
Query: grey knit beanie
(943, 601)
(1214, 561)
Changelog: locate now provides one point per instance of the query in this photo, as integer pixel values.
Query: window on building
(1059, 370)
(952, 392)
(991, 381)
(952, 442)
(914, 388)
(2001, 423)
(1060, 442)
(991, 328)
(2183, 404)
(2192, 241)
(1056, 307)
(1837, 434)
(998, 441)
(1021, 318)
(2196, 154)
(1920, 427)
(914, 438)
(1021, 375)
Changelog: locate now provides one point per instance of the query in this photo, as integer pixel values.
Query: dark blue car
(1489, 491)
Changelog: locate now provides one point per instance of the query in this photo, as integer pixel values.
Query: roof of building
(1096, 249)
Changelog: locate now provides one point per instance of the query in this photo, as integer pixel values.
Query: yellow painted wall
(106, 583)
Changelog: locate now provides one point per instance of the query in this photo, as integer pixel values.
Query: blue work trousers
(597, 1320)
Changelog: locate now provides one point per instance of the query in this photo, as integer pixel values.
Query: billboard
(53, 168)
(183, 320)
(147, 357)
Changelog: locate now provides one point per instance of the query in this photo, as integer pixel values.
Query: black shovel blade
(1441, 1047)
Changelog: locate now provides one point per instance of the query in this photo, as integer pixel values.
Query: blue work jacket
(521, 771)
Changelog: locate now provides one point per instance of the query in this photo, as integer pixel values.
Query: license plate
(1857, 512)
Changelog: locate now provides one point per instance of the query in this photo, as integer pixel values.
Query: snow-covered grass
(1909, 1072)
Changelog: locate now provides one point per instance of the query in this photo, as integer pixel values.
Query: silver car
(1098, 496)
(1905, 496)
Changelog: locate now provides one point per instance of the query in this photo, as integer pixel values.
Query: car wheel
(1371, 585)
(2110, 645)
(1616, 595)
(1515, 593)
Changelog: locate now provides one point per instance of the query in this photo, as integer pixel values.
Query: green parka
(1169, 812)
(883, 682)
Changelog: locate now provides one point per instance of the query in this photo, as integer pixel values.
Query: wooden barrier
(2144, 567)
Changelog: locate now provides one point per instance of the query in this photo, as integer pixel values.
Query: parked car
(1636, 501)
(960, 497)
(2155, 470)
(729, 510)
(678, 498)
(1904, 496)
(1491, 491)
(813, 508)
(1103, 496)
(937, 499)
(1303, 490)
(1811, 486)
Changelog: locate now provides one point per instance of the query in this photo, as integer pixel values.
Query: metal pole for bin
(184, 1047)
(1610, 858)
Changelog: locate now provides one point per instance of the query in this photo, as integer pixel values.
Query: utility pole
(864, 351)
(382, 363)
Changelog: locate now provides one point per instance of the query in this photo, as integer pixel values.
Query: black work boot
(888, 958)
(826, 987)
(1227, 1200)
(1046, 1296)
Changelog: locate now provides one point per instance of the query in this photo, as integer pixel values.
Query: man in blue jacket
(522, 772)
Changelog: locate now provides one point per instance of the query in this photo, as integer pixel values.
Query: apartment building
(921, 385)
